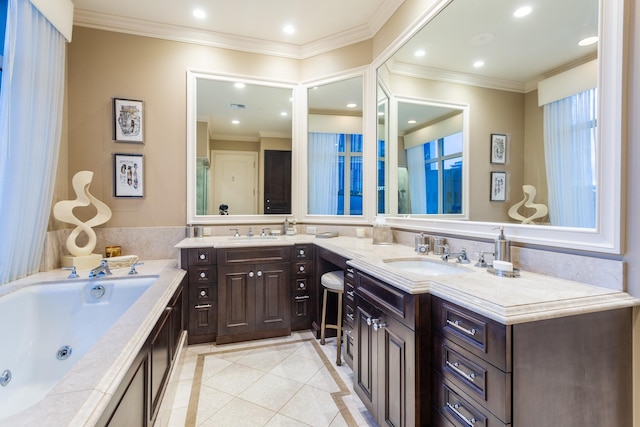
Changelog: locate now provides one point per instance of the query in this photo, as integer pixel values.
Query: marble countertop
(84, 392)
(508, 300)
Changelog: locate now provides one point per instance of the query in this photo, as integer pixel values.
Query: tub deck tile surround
(81, 396)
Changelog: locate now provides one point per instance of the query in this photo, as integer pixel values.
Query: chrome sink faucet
(461, 257)
(250, 232)
(101, 270)
(236, 232)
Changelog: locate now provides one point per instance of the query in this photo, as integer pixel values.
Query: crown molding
(101, 21)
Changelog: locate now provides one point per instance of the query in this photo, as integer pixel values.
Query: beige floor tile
(279, 420)
(233, 379)
(263, 359)
(271, 392)
(297, 368)
(212, 365)
(238, 413)
(324, 381)
(312, 406)
(211, 401)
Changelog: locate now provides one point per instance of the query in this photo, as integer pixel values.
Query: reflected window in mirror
(335, 149)
(382, 132)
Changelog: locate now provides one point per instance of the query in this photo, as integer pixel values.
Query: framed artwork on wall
(128, 173)
(128, 120)
(498, 187)
(498, 148)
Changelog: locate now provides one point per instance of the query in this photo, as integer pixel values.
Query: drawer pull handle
(350, 270)
(301, 298)
(351, 293)
(351, 316)
(376, 323)
(454, 408)
(202, 306)
(456, 325)
(455, 367)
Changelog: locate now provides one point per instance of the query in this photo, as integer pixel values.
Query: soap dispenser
(502, 250)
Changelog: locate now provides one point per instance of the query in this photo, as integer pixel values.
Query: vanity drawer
(302, 252)
(459, 409)
(301, 268)
(349, 292)
(201, 256)
(476, 377)
(480, 335)
(349, 315)
(199, 292)
(395, 302)
(202, 274)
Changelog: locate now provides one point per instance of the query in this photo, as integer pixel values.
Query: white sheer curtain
(323, 173)
(417, 179)
(31, 100)
(569, 139)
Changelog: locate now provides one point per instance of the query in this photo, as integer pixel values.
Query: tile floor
(288, 381)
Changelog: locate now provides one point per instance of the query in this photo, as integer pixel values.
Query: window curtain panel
(323, 173)
(569, 129)
(417, 179)
(31, 102)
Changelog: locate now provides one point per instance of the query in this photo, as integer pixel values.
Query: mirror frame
(606, 236)
(192, 114)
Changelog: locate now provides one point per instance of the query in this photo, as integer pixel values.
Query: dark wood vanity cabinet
(137, 400)
(253, 293)
(302, 286)
(202, 310)
(349, 315)
(567, 371)
(391, 352)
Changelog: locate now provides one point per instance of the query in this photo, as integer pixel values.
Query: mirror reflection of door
(236, 179)
(277, 182)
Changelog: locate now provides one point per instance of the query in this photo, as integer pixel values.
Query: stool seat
(333, 280)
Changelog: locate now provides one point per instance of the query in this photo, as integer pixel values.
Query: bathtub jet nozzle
(64, 352)
(5, 378)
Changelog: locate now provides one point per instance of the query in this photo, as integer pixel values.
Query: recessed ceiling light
(522, 11)
(478, 64)
(420, 52)
(239, 85)
(199, 13)
(289, 29)
(588, 41)
(235, 122)
(284, 114)
(351, 105)
(411, 122)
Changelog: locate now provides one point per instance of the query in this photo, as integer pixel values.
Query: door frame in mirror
(192, 217)
(606, 236)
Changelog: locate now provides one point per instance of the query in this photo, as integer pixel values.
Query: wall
(102, 65)
(534, 165)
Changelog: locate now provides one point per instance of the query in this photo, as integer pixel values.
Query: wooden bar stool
(332, 281)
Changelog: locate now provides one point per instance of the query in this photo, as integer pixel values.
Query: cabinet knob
(203, 275)
(203, 293)
(301, 268)
(202, 256)
(259, 273)
(301, 252)
(251, 274)
(376, 323)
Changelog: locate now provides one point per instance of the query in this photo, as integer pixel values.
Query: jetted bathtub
(47, 327)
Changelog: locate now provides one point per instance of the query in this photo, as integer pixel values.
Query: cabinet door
(272, 296)
(236, 299)
(396, 374)
(160, 360)
(365, 360)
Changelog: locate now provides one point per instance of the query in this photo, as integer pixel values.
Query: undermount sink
(426, 266)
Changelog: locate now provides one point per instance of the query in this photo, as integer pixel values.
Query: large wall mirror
(514, 77)
(240, 145)
(335, 148)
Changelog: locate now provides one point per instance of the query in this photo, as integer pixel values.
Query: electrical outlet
(311, 229)
(206, 231)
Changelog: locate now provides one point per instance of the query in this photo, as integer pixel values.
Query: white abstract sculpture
(82, 256)
(541, 210)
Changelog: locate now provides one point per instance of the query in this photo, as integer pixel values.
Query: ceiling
(249, 25)
(517, 52)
